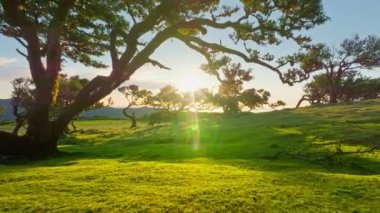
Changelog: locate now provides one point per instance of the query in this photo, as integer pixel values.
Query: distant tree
(371, 88)
(169, 99)
(354, 54)
(316, 91)
(22, 99)
(135, 96)
(170, 102)
(52, 31)
(159, 117)
(231, 96)
(276, 104)
(353, 86)
(252, 98)
(358, 87)
(68, 88)
(231, 77)
(198, 100)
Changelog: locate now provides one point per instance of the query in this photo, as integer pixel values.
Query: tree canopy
(231, 95)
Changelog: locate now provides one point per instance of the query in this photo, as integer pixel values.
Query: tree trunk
(304, 98)
(73, 126)
(42, 135)
(132, 117)
(13, 145)
(40, 141)
(134, 121)
(41, 138)
(334, 89)
(20, 120)
(39, 127)
(333, 95)
(17, 128)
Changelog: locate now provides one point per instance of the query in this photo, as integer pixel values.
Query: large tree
(52, 31)
(352, 87)
(354, 54)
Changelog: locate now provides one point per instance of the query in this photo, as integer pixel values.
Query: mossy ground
(209, 162)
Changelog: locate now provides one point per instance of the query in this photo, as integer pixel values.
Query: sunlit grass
(210, 162)
(111, 185)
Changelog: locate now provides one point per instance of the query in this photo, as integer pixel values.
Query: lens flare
(189, 82)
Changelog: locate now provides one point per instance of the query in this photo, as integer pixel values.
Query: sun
(189, 82)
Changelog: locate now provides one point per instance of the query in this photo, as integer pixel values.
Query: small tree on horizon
(231, 96)
(170, 102)
(134, 96)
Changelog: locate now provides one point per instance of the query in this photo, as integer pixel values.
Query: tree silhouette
(354, 54)
(353, 86)
(231, 96)
(134, 96)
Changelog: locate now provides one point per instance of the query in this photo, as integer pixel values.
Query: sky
(347, 17)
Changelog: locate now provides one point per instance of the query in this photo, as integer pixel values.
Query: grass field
(266, 162)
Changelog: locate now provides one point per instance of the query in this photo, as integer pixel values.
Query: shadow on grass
(248, 141)
(239, 155)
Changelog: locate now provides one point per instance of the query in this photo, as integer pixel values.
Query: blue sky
(347, 18)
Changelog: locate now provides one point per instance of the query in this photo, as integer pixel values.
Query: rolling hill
(104, 112)
(278, 161)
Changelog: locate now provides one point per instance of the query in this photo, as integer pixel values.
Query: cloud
(6, 61)
(8, 73)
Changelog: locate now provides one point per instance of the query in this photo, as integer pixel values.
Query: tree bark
(39, 126)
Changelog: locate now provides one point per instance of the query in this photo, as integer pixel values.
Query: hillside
(289, 161)
(111, 112)
(104, 112)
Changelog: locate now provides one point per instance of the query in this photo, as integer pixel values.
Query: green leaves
(231, 96)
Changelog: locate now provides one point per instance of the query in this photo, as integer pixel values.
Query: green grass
(209, 163)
